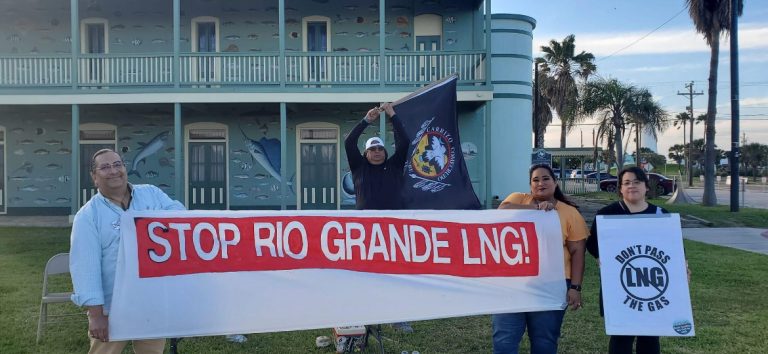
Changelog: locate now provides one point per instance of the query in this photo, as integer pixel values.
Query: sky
(670, 56)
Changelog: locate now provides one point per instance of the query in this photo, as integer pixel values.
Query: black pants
(623, 345)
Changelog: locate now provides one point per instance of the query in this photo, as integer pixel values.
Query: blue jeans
(543, 331)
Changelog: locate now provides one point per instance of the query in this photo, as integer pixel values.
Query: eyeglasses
(115, 165)
(376, 148)
(631, 183)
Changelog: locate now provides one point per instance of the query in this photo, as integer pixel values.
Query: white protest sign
(198, 273)
(643, 275)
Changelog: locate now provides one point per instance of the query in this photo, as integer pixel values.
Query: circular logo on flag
(431, 156)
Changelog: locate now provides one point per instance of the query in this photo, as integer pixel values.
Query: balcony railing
(215, 70)
(229, 69)
(125, 70)
(430, 66)
(25, 71)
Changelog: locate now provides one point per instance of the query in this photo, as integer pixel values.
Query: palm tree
(681, 119)
(542, 111)
(711, 18)
(605, 133)
(618, 104)
(562, 66)
(651, 119)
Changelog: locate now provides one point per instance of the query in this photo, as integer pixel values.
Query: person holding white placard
(632, 189)
(544, 326)
(95, 244)
(376, 176)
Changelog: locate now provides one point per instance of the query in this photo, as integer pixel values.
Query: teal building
(245, 104)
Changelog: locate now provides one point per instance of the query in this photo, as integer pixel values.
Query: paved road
(753, 197)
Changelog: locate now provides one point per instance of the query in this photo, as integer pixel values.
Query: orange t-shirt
(571, 223)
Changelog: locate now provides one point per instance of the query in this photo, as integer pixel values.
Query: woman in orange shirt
(544, 326)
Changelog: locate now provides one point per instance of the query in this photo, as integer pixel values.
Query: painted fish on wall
(266, 152)
(348, 189)
(146, 150)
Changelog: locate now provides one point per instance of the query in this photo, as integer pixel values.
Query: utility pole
(690, 95)
(735, 152)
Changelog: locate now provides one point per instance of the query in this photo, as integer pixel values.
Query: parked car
(557, 172)
(578, 174)
(663, 184)
(600, 176)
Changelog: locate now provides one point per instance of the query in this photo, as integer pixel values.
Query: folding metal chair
(58, 264)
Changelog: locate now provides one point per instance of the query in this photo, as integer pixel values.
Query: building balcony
(210, 71)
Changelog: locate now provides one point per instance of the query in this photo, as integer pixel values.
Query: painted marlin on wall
(148, 149)
(266, 152)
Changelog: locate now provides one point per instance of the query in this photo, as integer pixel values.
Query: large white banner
(644, 276)
(199, 273)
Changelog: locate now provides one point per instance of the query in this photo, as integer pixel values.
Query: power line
(643, 37)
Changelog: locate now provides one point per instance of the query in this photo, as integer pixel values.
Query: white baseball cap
(373, 142)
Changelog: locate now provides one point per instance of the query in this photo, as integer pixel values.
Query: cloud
(751, 36)
(757, 102)
(754, 58)
(676, 67)
(754, 101)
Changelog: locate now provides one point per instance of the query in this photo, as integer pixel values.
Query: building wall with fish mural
(131, 90)
(244, 25)
(37, 154)
(38, 158)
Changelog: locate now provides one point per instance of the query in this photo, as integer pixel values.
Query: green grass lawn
(719, 216)
(728, 290)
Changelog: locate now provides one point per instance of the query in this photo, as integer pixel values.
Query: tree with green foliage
(677, 153)
(681, 120)
(652, 120)
(562, 67)
(605, 134)
(754, 155)
(542, 112)
(617, 104)
(712, 18)
(650, 156)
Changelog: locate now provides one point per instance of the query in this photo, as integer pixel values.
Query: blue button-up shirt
(95, 242)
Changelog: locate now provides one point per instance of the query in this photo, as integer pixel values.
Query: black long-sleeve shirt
(616, 208)
(377, 186)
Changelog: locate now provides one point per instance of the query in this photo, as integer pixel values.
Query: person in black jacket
(633, 185)
(378, 177)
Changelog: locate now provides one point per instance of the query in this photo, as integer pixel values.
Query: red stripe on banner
(176, 246)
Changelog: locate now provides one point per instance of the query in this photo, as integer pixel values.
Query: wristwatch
(576, 287)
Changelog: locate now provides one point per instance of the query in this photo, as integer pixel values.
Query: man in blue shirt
(95, 241)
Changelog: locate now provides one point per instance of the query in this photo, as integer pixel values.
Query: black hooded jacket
(377, 186)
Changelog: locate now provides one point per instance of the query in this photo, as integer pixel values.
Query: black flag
(435, 175)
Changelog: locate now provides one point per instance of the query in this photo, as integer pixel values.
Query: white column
(510, 127)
